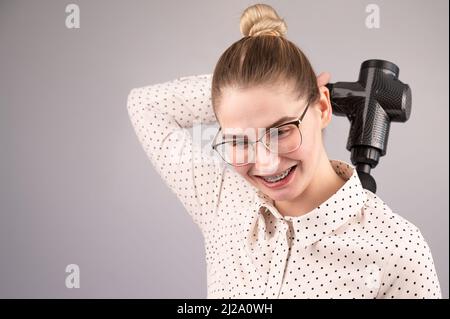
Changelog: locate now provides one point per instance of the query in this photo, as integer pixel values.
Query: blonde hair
(263, 56)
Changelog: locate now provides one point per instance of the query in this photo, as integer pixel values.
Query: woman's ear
(324, 105)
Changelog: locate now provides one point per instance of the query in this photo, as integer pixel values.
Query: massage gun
(371, 104)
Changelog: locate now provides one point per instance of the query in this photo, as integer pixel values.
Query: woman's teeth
(276, 178)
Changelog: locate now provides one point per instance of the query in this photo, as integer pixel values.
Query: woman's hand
(323, 78)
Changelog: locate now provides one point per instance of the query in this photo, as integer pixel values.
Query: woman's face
(259, 107)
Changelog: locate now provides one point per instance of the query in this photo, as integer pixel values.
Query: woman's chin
(280, 196)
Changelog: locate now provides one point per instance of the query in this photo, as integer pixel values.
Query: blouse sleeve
(161, 114)
(410, 272)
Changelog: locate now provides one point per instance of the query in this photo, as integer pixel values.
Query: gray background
(75, 184)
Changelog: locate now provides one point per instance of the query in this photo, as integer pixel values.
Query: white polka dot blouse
(351, 246)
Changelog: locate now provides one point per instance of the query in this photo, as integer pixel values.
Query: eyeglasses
(282, 139)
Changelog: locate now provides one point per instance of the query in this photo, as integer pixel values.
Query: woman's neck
(324, 184)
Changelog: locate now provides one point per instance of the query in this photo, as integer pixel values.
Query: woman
(279, 219)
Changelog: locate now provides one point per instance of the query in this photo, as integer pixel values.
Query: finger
(323, 78)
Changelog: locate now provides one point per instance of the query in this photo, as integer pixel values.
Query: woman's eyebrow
(276, 123)
(281, 121)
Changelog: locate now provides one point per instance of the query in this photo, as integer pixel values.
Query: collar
(337, 210)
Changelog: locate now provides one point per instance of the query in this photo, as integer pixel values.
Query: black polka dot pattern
(351, 246)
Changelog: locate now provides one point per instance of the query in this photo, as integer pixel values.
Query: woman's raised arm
(161, 114)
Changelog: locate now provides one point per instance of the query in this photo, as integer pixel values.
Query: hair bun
(262, 19)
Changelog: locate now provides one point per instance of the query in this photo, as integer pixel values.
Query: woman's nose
(266, 162)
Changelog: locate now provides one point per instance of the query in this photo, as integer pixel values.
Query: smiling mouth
(277, 177)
